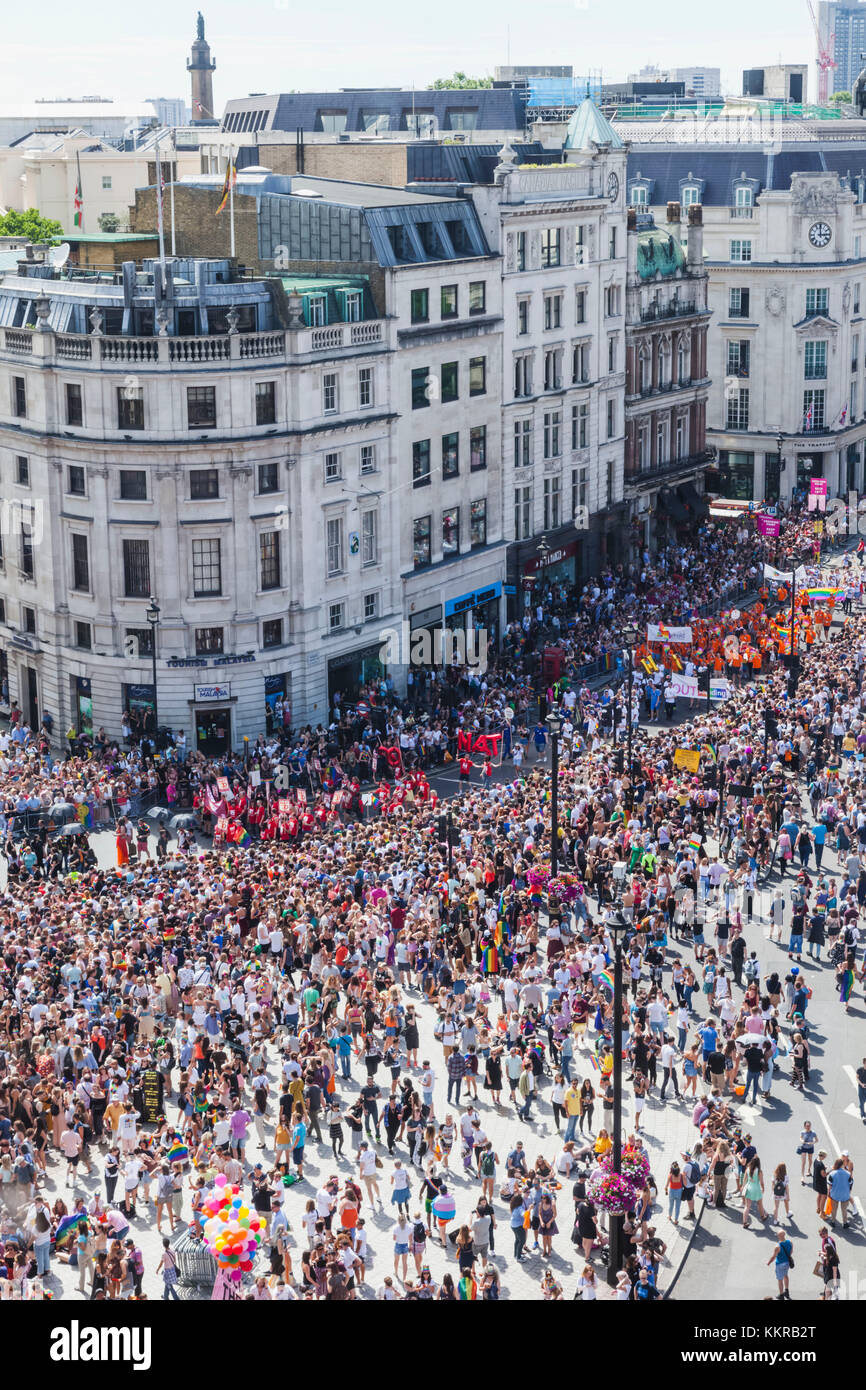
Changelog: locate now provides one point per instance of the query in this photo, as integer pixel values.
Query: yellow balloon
(243, 1211)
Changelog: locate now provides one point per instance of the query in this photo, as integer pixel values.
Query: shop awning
(694, 501)
(670, 503)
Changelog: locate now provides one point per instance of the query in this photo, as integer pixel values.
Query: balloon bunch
(232, 1233)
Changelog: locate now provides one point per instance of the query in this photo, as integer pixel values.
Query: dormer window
(691, 194)
(743, 197)
(640, 196)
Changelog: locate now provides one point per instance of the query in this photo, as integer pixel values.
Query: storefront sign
(338, 663)
(425, 617)
(473, 600)
(213, 692)
(553, 557)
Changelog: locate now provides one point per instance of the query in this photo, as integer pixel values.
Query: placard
(255, 777)
(689, 758)
(818, 487)
(768, 526)
(151, 1096)
(223, 785)
(660, 632)
(284, 805)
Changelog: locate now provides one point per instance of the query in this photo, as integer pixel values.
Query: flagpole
(159, 217)
(171, 194)
(232, 200)
(80, 192)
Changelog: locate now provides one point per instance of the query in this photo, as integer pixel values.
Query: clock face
(612, 187)
(820, 234)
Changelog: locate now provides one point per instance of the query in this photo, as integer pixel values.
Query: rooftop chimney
(696, 239)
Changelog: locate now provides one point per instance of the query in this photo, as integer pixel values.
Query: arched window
(644, 368)
(683, 362)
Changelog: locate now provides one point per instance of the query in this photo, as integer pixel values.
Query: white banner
(783, 576)
(658, 632)
(686, 688)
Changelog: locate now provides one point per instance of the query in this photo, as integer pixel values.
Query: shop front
(476, 612)
(351, 670)
(213, 720)
(809, 466)
(138, 704)
(735, 476)
(538, 568)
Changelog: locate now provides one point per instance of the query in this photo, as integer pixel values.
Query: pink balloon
(221, 1180)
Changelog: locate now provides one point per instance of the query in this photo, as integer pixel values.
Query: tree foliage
(30, 224)
(459, 81)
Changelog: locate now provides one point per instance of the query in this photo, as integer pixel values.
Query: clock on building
(612, 187)
(820, 234)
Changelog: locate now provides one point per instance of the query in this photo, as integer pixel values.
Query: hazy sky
(280, 45)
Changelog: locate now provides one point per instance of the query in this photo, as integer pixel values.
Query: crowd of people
(350, 985)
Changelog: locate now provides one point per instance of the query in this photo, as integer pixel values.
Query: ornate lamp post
(617, 926)
(554, 728)
(630, 638)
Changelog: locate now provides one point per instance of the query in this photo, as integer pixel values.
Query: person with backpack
(487, 1170)
(39, 1219)
(135, 1266)
(783, 1257)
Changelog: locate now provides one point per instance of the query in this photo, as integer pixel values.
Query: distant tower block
(200, 65)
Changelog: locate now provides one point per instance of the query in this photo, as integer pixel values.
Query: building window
(449, 381)
(611, 480)
(643, 452)
(370, 538)
(80, 565)
(550, 238)
(335, 555)
(130, 408)
(611, 301)
(420, 387)
(552, 434)
(523, 374)
(266, 402)
(856, 306)
(106, 181)
(26, 524)
(421, 542)
(368, 458)
(352, 304)
(552, 311)
(143, 637)
(738, 410)
(272, 632)
(741, 250)
(520, 248)
(611, 354)
(579, 426)
(690, 194)
(133, 484)
(580, 246)
(478, 523)
(22, 470)
(329, 393)
(29, 617)
(206, 568)
(522, 443)
(611, 419)
(683, 356)
(738, 303)
(553, 369)
(204, 484)
(268, 477)
(317, 310)
(336, 617)
(19, 396)
(451, 531)
(743, 197)
(421, 463)
(579, 492)
(739, 358)
(477, 448)
(448, 302)
(371, 607)
(640, 196)
(580, 306)
(522, 317)
(419, 302)
(201, 407)
(450, 455)
(661, 442)
(333, 467)
(82, 636)
(580, 364)
(477, 376)
(522, 512)
(817, 302)
(682, 436)
(477, 296)
(815, 361)
(813, 411)
(551, 503)
(74, 404)
(612, 247)
(75, 483)
(136, 569)
(269, 556)
(208, 641)
(365, 387)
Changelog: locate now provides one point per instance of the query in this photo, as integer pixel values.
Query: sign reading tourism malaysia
(660, 632)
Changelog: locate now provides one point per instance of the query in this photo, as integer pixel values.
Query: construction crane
(824, 58)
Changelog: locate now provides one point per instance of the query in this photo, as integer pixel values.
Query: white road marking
(831, 1136)
(851, 1075)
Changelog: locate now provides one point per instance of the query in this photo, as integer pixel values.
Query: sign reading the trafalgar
(660, 632)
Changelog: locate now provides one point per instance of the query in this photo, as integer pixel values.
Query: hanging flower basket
(611, 1192)
(635, 1166)
(564, 888)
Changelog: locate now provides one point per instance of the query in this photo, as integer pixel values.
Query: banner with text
(659, 632)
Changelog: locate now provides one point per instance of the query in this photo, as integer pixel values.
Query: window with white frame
(317, 310)
(552, 499)
(333, 467)
(334, 546)
(690, 194)
(682, 445)
(371, 607)
(580, 363)
(813, 410)
(368, 458)
(336, 616)
(552, 311)
(523, 374)
(683, 361)
(352, 307)
(611, 354)
(553, 369)
(611, 419)
(738, 410)
(365, 387)
(815, 360)
(643, 450)
(330, 393)
(522, 512)
(579, 490)
(580, 425)
(522, 443)
(741, 250)
(644, 367)
(639, 196)
(369, 537)
(662, 442)
(552, 434)
(580, 306)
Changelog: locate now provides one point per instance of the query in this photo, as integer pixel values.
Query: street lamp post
(617, 926)
(554, 727)
(153, 618)
(630, 637)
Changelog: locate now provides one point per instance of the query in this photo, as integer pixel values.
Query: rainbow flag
(67, 1229)
(606, 978)
(664, 632)
(178, 1153)
(821, 595)
(490, 960)
(467, 1287)
(710, 752)
(694, 842)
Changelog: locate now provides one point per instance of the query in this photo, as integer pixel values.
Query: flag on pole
(807, 419)
(78, 218)
(844, 416)
(229, 182)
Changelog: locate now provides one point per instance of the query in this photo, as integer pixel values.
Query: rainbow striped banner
(606, 978)
(822, 595)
